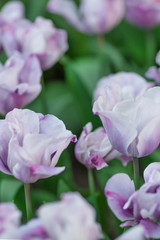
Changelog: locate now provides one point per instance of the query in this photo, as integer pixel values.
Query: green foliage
(9, 189)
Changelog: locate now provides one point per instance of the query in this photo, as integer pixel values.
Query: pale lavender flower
(9, 221)
(33, 230)
(130, 206)
(71, 218)
(129, 133)
(154, 72)
(31, 144)
(121, 86)
(143, 13)
(134, 233)
(40, 38)
(45, 41)
(12, 36)
(152, 173)
(19, 82)
(11, 12)
(94, 149)
(90, 17)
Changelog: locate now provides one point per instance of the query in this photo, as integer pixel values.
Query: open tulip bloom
(90, 18)
(129, 133)
(40, 38)
(31, 145)
(141, 206)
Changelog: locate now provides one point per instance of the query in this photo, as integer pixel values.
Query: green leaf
(115, 56)
(43, 196)
(82, 76)
(8, 189)
(35, 8)
(62, 187)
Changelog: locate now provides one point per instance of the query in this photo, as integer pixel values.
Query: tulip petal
(118, 189)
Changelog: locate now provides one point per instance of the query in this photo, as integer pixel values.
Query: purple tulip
(129, 133)
(71, 218)
(19, 82)
(153, 72)
(90, 18)
(143, 13)
(40, 38)
(141, 206)
(9, 221)
(31, 145)
(94, 149)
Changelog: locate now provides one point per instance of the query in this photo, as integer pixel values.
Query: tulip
(71, 218)
(11, 12)
(153, 72)
(33, 230)
(94, 149)
(31, 145)
(45, 41)
(19, 82)
(9, 221)
(92, 17)
(136, 232)
(129, 133)
(40, 38)
(143, 13)
(130, 206)
(121, 86)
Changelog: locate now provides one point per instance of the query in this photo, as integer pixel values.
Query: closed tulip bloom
(31, 145)
(91, 17)
(19, 82)
(9, 221)
(143, 13)
(154, 72)
(129, 133)
(71, 218)
(94, 149)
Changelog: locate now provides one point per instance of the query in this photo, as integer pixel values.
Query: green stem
(136, 171)
(101, 41)
(150, 47)
(92, 193)
(91, 181)
(43, 97)
(28, 200)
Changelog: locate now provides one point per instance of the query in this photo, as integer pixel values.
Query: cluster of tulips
(31, 143)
